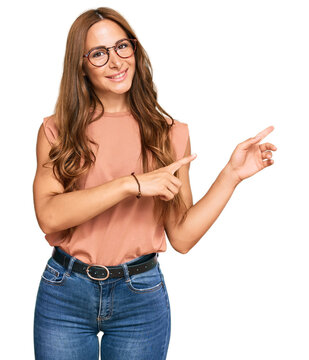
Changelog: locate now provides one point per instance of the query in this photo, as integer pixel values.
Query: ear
(83, 71)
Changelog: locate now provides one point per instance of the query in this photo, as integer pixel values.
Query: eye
(98, 53)
(122, 45)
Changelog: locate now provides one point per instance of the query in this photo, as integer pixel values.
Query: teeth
(118, 76)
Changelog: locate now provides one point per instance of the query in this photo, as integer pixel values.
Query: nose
(114, 59)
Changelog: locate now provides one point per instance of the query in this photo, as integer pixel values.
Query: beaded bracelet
(139, 188)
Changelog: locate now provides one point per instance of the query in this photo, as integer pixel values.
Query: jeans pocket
(147, 281)
(54, 273)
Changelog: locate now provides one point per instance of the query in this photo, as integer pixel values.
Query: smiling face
(110, 91)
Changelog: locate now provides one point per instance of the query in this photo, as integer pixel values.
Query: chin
(121, 90)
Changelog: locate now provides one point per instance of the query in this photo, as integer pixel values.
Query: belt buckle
(102, 266)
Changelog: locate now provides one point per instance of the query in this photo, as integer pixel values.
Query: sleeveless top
(128, 229)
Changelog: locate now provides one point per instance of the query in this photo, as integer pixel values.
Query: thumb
(173, 167)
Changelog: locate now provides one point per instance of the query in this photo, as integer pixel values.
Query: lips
(121, 72)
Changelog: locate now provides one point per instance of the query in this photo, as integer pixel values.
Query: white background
(228, 69)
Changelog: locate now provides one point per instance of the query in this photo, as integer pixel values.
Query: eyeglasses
(99, 55)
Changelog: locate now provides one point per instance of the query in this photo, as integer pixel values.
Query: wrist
(230, 175)
(130, 186)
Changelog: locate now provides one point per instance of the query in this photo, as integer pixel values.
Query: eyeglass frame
(108, 51)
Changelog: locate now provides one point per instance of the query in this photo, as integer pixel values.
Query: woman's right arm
(62, 211)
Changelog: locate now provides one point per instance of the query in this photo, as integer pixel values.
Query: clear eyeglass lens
(99, 56)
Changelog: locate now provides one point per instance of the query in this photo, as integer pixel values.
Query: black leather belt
(101, 272)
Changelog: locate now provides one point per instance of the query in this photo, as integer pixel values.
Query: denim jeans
(133, 312)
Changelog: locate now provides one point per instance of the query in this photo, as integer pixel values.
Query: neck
(115, 102)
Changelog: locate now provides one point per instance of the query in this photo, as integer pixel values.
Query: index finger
(262, 134)
(180, 162)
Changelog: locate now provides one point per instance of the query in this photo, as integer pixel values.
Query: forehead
(105, 32)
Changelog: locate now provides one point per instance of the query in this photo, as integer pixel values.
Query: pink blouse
(128, 229)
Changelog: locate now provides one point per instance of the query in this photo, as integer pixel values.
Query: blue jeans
(133, 312)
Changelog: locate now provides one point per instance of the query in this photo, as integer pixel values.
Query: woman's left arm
(246, 160)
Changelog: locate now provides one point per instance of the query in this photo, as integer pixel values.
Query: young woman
(112, 178)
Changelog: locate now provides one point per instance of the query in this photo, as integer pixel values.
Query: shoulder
(179, 135)
(178, 128)
(50, 121)
(177, 123)
(50, 128)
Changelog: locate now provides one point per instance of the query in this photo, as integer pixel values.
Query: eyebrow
(100, 46)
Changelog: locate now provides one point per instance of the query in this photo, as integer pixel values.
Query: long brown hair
(70, 155)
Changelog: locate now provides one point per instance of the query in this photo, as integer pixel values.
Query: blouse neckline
(117, 114)
(113, 114)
